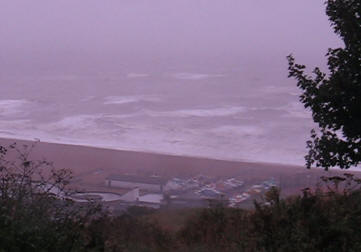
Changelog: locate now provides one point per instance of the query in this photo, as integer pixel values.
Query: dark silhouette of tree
(35, 214)
(335, 98)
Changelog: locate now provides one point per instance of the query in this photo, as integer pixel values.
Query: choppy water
(231, 113)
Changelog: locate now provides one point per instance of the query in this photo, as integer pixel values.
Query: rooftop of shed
(137, 179)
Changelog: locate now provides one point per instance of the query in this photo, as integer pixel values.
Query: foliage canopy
(335, 98)
(35, 214)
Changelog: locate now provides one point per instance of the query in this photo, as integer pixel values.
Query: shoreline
(137, 150)
(90, 166)
(97, 163)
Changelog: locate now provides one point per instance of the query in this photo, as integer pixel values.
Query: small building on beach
(153, 184)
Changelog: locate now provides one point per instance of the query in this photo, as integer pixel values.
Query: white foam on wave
(12, 107)
(114, 100)
(136, 75)
(120, 99)
(226, 142)
(210, 112)
(292, 109)
(239, 131)
(296, 110)
(73, 123)
(10, 128)
(195, 76)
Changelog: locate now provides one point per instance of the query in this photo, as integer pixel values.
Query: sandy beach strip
(90, 166)
(82, 158)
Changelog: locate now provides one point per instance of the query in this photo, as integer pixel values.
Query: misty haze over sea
(225, 114)
(141, 76)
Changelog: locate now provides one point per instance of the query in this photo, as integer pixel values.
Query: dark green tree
(35, 214)
(335, 97)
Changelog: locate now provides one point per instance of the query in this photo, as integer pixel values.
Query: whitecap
(242, 130)
(136, 75)
(12, 107)
(74, 123)
(114, 100)
(210, 112)
(195, 76)
(296, 110)
(120, 99)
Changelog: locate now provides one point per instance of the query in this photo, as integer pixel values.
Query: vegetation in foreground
(34, 217)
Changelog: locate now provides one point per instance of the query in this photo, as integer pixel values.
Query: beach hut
(153, 184)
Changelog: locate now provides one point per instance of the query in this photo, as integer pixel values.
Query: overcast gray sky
(43, 30)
